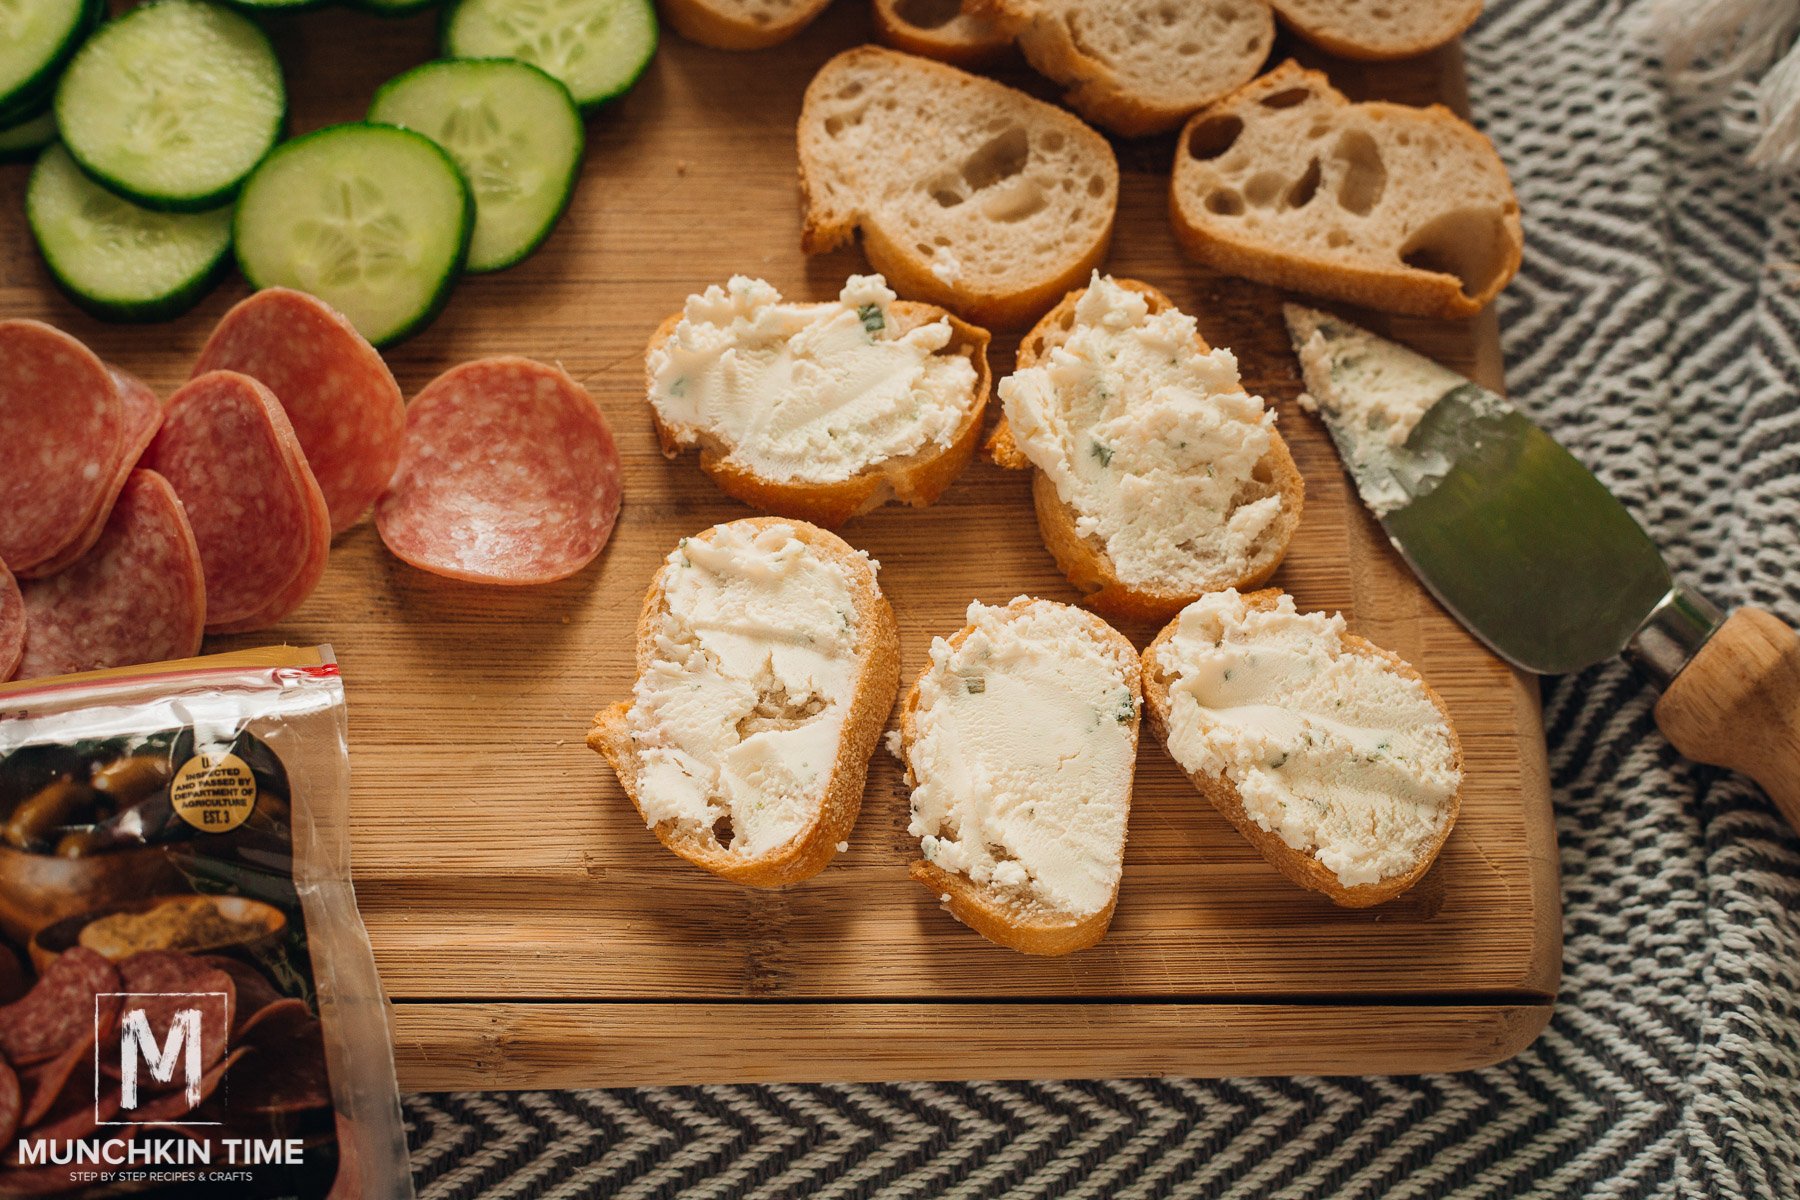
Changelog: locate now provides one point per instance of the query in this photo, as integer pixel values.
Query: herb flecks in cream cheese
(1022, 757)
(808, 393)
(737, 718)
(1335, 751)
(1153, 444)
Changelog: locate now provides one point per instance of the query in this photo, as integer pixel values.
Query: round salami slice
(58, 1011)
(161, 983)
(339, 395)
(254, 991)
(64, 426)
(508, 475)
(138, 596)
(12, 1103)
(227, 449)
(12, 624)
(142, 411)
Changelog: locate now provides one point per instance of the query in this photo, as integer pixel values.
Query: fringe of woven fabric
(1708, 45)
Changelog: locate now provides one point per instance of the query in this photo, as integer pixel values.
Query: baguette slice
(740, 24)
(1188, 682)
(917, 478)
(1062, 690)
(745, 752)
(942, 29)
(1376, 30)
(969, 194)
(1084, 558)
(1385, 205)
(1139, 67)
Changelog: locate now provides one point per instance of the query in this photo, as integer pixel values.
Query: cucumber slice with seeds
(22, 141)
(597, 48)
(372, 219)
(172, 104)
(115, 259)
(512, 129)
(37, 38)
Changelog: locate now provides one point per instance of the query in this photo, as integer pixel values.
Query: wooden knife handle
(1737, 704)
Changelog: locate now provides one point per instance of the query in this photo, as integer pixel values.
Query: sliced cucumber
(515, 133)
(37, 37)
(23, 141)
(598, 48)
(173, 104)
(372, 219)
(115, 259)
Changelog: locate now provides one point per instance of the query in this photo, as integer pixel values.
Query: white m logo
(139, 1043)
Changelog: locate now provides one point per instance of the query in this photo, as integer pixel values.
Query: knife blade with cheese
(1527, 549)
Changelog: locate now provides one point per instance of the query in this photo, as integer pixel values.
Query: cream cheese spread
(1335, 751)
(738, 715)
(1023, 753)
(808, 393)
(1151, 443)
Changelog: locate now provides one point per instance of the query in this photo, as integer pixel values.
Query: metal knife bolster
(1672, 634)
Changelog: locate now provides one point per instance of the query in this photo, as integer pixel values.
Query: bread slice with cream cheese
(942, 29)
(1331, 755)
(1404, 209)
(1020, 740)
(968, 193)
(1158, 478)
(767, 665)
(819, 411)
(740, 24)
(1139, 67)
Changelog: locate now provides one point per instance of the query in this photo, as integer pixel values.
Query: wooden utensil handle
(1737, 705)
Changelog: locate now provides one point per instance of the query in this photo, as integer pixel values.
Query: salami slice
(177, 978)
(142, 412)
(258, 517)
(64, 426)
(254, 991)
(12, 1103)
(138, 596)
(58, 1012)
(12, 624)
(339, 395)
(508, 475)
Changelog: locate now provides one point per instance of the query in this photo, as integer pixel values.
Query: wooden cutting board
(532, 933)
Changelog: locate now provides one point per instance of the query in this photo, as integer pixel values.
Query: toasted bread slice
(1155, 578)
(740, 24)
(969, 194)
(1020, 740)
(1385, 205)
(1354, 790)
(1139, 67)
(942, 29)
(1378, 29)
(889, 406)
(745, 744)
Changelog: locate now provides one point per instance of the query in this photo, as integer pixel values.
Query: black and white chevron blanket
(1655, 329)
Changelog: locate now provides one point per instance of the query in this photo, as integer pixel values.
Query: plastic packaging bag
(190, 1003)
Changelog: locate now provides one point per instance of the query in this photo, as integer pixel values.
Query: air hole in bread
(1096, 185)
(851, 90)
(1287, 98)
(1214, 136)
(722, 832)
(944, 190)
(1189, 49)
(1469, 243)
(1305, 187)
(1337, 239)
(928, 14)
(1224, 201)
(998, 159)
(1319, 129)
(1168, 14)
(1263, 188)
(1365, 175)
(1052, 141)
(1013, 202)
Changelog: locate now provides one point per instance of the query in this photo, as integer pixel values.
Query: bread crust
(832, 216)
(918, 479)
(704, 21)
(1397, 289)
(1088, 566)
(1298, 865)
(812, 848)
(1455, 18)
(992, 912)
(967, 40)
